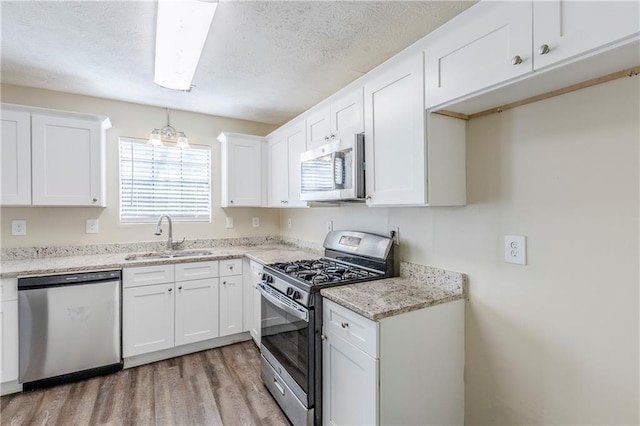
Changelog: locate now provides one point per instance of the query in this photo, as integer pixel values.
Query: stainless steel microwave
(334, 172)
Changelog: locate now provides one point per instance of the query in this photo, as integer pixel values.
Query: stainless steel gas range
(292, 316)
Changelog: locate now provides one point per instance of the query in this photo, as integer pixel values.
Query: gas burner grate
(321, 271)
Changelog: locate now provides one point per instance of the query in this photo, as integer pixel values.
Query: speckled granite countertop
(58, 265)
(417, 287)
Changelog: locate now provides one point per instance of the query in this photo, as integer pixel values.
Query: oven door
(287, 341)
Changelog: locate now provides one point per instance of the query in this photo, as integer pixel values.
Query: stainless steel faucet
(159, 230)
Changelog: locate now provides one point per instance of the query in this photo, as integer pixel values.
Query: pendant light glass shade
(169, 134)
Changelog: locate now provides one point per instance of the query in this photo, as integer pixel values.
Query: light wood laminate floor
(220, 386)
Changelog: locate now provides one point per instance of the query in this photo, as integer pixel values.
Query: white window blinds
(157, 180)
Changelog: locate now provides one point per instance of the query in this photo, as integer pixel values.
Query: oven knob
(267, 278)
(289, 291)
(295, 295)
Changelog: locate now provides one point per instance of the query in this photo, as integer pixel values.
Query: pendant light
(168, 134)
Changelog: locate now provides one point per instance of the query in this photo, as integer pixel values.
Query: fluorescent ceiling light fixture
(181, 31)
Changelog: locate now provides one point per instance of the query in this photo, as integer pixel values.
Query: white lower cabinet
(404, 369)
(230, 305)
(174, 305)
(253, 300)
(231, 300)
(147, 319)
(8, 330)
(196, 318)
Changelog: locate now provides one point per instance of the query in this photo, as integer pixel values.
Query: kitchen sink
(168, 254)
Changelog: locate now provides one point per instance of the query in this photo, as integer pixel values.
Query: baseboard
(10, 387)
(137, 360)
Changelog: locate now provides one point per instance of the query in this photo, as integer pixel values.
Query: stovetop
(317, 272)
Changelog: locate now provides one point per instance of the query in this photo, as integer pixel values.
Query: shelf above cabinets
(52, 158)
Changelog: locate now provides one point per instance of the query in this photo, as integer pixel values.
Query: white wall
(66, 225)
(555, 341)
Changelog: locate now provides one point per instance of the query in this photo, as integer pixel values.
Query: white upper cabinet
(337, 118)
(52, 158)
(405, 165)
(67, 158)
(394, 136)
(15, 158)
(243, 164)
(488, 44)
(563, 29)
(495, 42)
(285, 148)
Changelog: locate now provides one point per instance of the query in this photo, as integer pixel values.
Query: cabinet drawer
(355, 329)
(8, 289)
(230, 267)
(147, 275)
(196, 271)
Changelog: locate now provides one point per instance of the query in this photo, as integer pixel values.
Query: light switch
(256, 222)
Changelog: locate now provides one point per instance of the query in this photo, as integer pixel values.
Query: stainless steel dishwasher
(70, 327)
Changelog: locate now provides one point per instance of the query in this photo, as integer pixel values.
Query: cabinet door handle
(224, 282)
(230, 201)
(170, 290)
(544, 49)
(95, 200)
(231, 267)
(516, 60)
(345, 325)
(368, 197)
(324, 337)
(180, 288)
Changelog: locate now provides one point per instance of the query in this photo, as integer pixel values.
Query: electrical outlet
(329, 225)
(229, 222)
(92, 226)
(255, 222)
(515, 249)
(289, 223)
(396, 234)
(18, 227)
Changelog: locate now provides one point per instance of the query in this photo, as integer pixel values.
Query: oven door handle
(298, 313)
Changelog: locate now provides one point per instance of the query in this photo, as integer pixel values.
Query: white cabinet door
(318, 127)
(478, 49)
(347, 115)
(15, 158)
(394, 135)
(350, 384)
(147, 319)
(278, 172)
(9, 341)
(230, 305)
(571, 28)
(196, 316)
(67, 161)
(243, 177)
(255, 298)
(296, 144)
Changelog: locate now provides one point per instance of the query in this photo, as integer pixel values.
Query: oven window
(287, 338)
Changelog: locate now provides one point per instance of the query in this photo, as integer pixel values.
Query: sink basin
(167, 254)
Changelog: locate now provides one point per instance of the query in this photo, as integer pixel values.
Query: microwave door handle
(333, 169)
(334, 157)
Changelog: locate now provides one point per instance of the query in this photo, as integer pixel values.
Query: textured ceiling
(265, 61)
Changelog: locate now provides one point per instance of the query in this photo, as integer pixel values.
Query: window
(157, 180)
